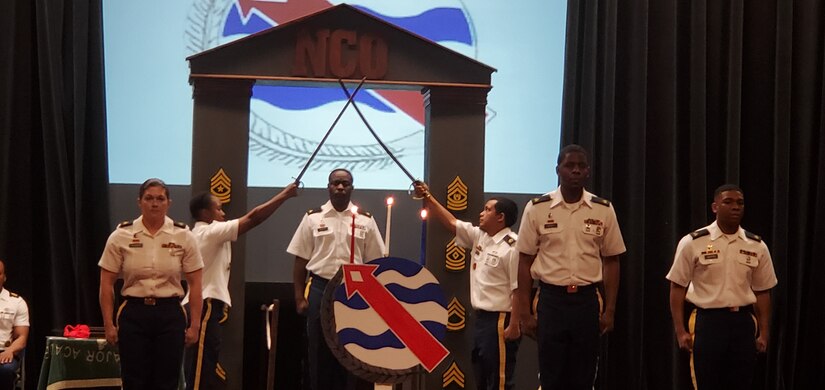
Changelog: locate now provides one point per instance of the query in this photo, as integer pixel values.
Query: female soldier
(150, 253)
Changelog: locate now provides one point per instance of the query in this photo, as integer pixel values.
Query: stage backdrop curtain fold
(53, 162)
(674, 98)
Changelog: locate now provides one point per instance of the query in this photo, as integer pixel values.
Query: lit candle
(423, 236)
(354, 212)
(389, 223)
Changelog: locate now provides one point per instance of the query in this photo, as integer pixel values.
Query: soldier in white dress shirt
(150, 254)
(215, 236)
(569, 239)
(727, 273)
(493, 280)
(321, 244)
(14, 331)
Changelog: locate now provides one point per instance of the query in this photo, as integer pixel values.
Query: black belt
(319, 278)
(487, 313)
(569, 289)
(154, 301)
(732, 309)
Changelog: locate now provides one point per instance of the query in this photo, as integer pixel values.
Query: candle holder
(354, 212)
(422, 259)
(390, 201)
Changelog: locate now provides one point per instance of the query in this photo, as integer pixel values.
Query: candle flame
(390, 200)
(423, 213)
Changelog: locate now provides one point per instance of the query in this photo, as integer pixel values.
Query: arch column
(220, 140)
(454, 134)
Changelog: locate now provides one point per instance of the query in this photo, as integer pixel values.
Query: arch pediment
(340, 42)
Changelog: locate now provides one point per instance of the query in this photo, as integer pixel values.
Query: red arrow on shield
(360, 278)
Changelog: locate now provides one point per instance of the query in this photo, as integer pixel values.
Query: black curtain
(53, 164)
(674, 98)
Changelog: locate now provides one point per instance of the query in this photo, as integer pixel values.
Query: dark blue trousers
(568, 337)
(8, 373)
(201, 361)
(724, 349)
(150, 339)
(325, 372)
(494, 359)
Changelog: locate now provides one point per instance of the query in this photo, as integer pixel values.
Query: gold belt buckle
(572, 289)
(150, 301)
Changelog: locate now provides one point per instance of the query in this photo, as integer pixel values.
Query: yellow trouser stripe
(502, 351)
(306, 289)
(199, 361)
(117, 316)
(225, 314)
(692, 331)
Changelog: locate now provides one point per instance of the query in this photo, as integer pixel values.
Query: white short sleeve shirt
(722, 270)
(151, 265)
(324, 238)
(494, 269)
(13, 312)
(215, 243)
(569, 241)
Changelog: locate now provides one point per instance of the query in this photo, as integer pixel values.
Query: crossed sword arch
(351, 101)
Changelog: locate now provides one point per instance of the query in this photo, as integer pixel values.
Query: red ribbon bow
(78, 331)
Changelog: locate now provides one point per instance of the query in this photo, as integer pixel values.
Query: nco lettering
(341, 53)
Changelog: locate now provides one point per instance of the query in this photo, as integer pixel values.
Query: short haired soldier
(726, 272)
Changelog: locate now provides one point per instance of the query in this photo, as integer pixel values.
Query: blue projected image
(149, 104)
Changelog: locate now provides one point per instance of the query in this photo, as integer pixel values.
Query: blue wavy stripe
(355, 336)
(404, 267)
(386, 339)
(303, 98)
(427, 293)
(356, 303)
(436, 329)
(431, 24)
(234, 23)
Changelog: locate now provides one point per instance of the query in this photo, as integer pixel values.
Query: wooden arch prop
(343, 43)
